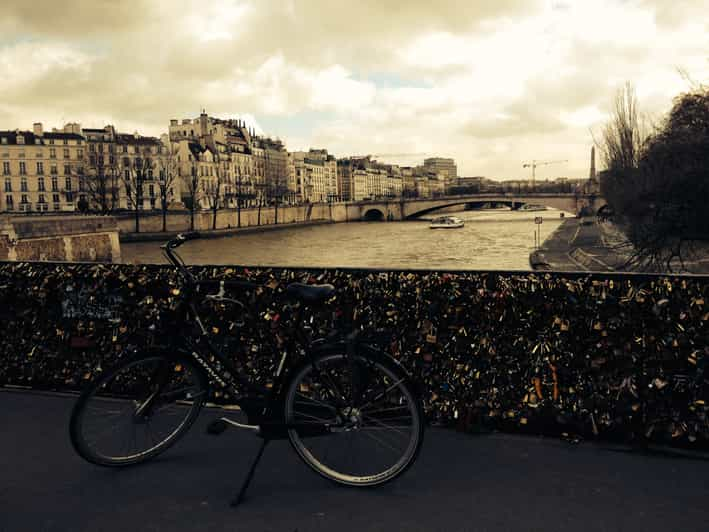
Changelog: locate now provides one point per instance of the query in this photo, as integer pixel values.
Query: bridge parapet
(600, 355)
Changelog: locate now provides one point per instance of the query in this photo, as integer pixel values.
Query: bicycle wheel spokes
(136, 411)
(363, 446)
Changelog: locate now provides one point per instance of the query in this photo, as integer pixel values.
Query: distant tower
(592, 176)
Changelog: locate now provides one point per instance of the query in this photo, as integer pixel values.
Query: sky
(491, 84)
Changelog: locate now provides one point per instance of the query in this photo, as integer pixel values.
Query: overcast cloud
(491, 84)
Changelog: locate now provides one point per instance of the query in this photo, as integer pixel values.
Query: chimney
(37, 128)
(203, 123)
(173, 122)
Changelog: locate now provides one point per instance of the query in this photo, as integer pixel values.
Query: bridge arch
(513, 204)
(373, 215)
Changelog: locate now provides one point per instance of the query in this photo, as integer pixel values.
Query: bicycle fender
(324, 348)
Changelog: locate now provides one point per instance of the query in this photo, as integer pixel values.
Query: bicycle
(340, 390)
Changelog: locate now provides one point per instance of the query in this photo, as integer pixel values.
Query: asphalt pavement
(460, 482)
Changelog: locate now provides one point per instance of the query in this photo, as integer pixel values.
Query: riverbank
(217, 233)
(580, 244)
(585, 244)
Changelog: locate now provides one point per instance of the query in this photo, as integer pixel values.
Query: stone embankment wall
(600, 356)
(227, 218)
(61, 238)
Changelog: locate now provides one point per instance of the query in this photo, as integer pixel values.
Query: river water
(491, 239)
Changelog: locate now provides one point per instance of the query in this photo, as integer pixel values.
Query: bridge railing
(614, 356)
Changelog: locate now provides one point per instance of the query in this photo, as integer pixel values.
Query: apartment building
(39, 169)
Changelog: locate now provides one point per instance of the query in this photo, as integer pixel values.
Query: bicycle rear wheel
(371, 437)
(137, 410)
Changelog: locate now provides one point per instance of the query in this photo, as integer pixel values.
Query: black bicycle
(350, 411)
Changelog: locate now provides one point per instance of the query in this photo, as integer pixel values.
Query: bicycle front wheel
(365, 434)
(137, 410)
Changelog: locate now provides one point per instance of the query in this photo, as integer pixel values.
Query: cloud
(489, 83)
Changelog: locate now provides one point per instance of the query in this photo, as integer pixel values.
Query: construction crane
(535, 163)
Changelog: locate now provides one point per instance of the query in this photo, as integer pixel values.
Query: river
(491, 239)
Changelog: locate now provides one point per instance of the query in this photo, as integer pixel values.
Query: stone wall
(60, 238)
(608, 356)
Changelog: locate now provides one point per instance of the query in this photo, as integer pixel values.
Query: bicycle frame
(200, 348)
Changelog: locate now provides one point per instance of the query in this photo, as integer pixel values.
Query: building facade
(38, 170)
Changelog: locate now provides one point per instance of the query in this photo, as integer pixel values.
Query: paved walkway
(460, 482)
(579, 246)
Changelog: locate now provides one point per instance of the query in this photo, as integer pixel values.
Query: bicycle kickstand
(240, 498)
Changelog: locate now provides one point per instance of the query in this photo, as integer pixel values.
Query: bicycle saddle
(310, 293)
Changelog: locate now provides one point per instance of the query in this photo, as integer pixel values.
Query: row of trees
(109, 177)
(657, 177)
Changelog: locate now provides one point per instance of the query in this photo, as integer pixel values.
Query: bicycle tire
(187, 400)
(368, 424)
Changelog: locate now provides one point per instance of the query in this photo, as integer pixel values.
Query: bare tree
(135, 173)
(99, 177)
(193, 193)
(168, 172)
(656, 184)
(215, 190)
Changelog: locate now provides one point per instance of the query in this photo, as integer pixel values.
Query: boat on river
(532, 207)
(446, 222)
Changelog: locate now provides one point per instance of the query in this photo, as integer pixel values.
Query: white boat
(446, 222)
(531, 207)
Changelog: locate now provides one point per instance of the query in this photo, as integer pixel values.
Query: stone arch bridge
(410, 208)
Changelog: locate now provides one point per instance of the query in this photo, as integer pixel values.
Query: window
(92, 160)
(69, 196)
(66, 152)
(6, 168)
(127, 174)
(40, 184)
(23, 168)
(8, 184)
(92, 148)
(55, 198)
(39, 155)
(55, 183)
(10, 202)
(23, 184)
(125, 149)
(67, 183)
(52, 153)
(41, 199)
(4, 140)
(37, 141)
(66, 142)
(79, 153)
(67, 169)
(152, 203)
(111, 160)
(100, 160)
(81, 185)
(53, 169)
(151, 189)
(24, 199)
(40, 168)
(51, 141)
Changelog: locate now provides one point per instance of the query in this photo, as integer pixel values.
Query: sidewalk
(460, 482)
(583, 245)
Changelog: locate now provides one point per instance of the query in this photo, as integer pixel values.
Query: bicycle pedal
(217, 426)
